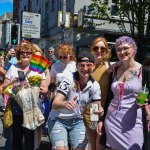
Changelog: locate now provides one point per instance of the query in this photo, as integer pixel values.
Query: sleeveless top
(123, 121)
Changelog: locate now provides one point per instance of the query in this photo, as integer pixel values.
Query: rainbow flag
(39, 63)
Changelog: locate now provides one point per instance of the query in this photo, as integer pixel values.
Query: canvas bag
(27, 98)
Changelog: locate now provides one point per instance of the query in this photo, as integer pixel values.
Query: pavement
(45, 142)
(6, 139)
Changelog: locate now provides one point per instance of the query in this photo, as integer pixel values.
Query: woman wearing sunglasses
(61, 68)
(99, 48)
(23, 53)
(73, 94)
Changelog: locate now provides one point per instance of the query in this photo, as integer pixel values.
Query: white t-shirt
(60, 70)
(13, 73)
(69, 89)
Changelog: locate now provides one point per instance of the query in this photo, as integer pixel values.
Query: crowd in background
(71, 86)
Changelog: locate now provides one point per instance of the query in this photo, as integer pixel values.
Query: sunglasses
(62, 57)
(27, 53)
(96, 48)
(50, 51)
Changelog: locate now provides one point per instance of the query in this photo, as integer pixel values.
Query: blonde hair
(25, 46)
(37, 49)
(67, 48)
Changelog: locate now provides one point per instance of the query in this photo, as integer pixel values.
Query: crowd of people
(85, 100)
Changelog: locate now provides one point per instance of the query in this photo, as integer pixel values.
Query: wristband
(52, 87)
(101, 119)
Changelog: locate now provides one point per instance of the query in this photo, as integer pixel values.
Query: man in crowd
(52, 58)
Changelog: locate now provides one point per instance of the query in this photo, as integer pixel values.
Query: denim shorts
(63, 130)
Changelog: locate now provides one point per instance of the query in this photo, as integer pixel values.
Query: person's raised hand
(143, 105)
(100, 111)
(71, 103)
(112, 67)
(14, 80)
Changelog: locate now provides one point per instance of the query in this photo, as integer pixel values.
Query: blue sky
(6, 6)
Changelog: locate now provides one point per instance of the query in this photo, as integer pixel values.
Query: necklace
(127, 72)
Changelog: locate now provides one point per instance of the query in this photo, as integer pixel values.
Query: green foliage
(134, 12)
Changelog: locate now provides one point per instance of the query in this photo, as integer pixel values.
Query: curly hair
(23, 46)
(67, 48)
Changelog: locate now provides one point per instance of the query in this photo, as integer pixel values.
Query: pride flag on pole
(39, 63)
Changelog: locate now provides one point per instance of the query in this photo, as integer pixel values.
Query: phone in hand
(21, 75)
(94, 107)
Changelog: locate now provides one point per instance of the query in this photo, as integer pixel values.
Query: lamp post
(63, 4)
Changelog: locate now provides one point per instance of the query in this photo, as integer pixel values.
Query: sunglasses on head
(62, 57)
(96, 48)
(27, 53)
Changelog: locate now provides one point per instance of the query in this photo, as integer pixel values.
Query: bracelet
(52, 87)
(101, 119)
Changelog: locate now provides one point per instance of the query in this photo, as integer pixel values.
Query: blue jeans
(63, 130)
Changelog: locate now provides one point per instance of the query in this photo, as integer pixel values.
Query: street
(6, 140)
(45, 144)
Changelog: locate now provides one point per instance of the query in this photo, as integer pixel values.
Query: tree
(134, 12)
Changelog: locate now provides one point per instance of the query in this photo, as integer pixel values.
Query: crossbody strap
(25, 73)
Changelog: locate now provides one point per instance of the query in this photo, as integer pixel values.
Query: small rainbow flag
(39, 63)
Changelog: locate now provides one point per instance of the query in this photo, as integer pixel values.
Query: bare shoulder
(137, 65)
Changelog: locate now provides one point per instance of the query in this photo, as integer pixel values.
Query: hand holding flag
(39, 63)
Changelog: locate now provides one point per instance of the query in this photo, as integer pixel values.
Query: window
(24, 8)
(46, 16)
(114, 9)
(53, 6)
(39, 12)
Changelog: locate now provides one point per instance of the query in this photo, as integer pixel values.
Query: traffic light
(14, 34)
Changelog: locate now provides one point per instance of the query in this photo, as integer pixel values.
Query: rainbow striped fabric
(39, 63)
